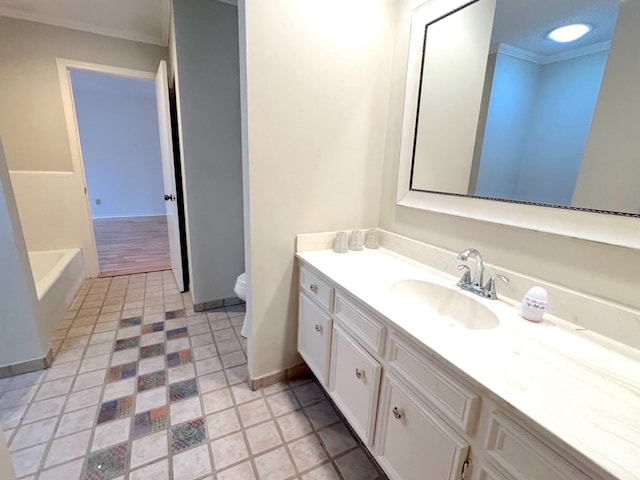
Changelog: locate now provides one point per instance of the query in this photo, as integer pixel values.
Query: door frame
(89, 249)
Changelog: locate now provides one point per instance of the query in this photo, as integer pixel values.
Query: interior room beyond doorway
(118, 129)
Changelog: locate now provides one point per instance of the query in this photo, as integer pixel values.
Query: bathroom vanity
(440, 384)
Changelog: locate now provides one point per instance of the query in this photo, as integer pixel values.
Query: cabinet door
(354, 383)
(314, 337)
(412, 442)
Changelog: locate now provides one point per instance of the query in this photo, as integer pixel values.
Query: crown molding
(522, 54)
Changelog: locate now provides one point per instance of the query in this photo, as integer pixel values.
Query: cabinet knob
(313, 287)
(318, 328)
(397, 412)
(359, 373)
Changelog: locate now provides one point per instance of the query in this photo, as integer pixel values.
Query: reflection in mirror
(555, 123)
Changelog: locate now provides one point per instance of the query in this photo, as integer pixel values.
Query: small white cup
(355, 240)
(340, 243)
(372, 239)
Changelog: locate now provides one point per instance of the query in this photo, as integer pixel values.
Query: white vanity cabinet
(355, 383)
(315, 324)
(421, 418)
(413, 442)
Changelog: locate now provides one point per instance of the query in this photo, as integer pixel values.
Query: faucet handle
(465, 280)
(490, 286)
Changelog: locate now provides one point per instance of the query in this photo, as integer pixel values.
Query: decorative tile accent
(152, 327)
(181, 390)
(152, 350)
(174, 314)
(152, 380)
(121, 372)
(187, 435)
(125, 343)
(115, 409)
(179, 358)
(177, 333)
(130, 322)
(108, 463)
(150, 422)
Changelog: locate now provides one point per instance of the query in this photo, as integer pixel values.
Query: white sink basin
(433, 302)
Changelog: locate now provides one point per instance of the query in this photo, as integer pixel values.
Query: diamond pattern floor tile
(149, 422)
(181, 390)
(152, 380)
(188, 435)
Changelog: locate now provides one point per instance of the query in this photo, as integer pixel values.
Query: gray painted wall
(118, 125)
(208, 92)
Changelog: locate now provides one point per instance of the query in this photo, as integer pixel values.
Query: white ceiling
(141, 20)
(525, 23)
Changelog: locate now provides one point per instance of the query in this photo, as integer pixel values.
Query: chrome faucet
(476, 281)
(474, 284)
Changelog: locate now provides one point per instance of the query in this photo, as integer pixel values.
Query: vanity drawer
(317, 289)
(460, 404)
(522, 456)
(366, 329)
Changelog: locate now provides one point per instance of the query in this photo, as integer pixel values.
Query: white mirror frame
(614, 229)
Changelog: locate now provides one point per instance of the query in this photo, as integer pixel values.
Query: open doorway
(117, 122)
(121, 154)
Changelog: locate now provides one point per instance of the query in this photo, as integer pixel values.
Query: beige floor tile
(68, 471)
(243, 394)
(229, 450)
(71, 355)
(254, 412)
(217, 400)
(44, 409)
(68, 448)
(177, 345)
(119, 389)
(198, 329)
(356, 465)
(228, 346)
(181, 373)
(124, 356)
(148, 449)
(26, 462)
(19, 396)
(223, 423)
(99, 349)
(192, 463)
(62, 370)
(205, 351)
(263, 437)
(322, 414)
(212, 381)
(337, 439)
(294, 425)
(156, 397)
(104, 337)
(233, 359)
(185, 410)
(128, 332)
(275, 465)
(237, 374)
(200, 340)
(76, 421)
(323, 472)
(94, 363)
(223, 335)
(151, 339)
(208, 365)
(89, 379)
(153, 364)
(283, 402)
(110, 433)
(33, 434)
(309, 394)
(107, 326)
(243, 471)
(307, 452)
(155, 471)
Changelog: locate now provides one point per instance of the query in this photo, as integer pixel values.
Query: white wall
(511, 106)
(21, 339)
(315, 95)
(605, 271)
(565, 99)
(613, 184)
(118, 126)
(208, 92)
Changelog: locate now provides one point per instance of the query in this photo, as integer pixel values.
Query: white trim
(522, 54)
(89, 250)
(42, 173)
(106, 217)
(615, 230)
(96, 29)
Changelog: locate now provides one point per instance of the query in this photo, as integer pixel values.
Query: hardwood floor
(132, 245)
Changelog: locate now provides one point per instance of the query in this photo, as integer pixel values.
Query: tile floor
(142, 387)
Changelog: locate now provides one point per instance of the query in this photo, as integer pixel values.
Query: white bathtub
(58, 275)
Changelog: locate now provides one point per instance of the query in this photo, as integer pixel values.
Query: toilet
(240, 289)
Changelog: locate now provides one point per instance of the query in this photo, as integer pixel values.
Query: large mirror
(503, 112)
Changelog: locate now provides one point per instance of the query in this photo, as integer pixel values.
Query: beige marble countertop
(581, 387)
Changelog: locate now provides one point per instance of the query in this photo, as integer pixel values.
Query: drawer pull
(318, 328)
(313, 287)
(359, 373)
(397, 412)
